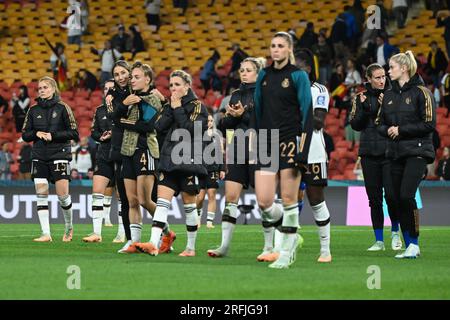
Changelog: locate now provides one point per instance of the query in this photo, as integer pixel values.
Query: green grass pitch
(39, 270)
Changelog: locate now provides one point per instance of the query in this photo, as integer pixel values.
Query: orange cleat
(167, 241)
(147, 247)
(187, 253)
(92, 238)
(324, 259)
(44, 238)
(68, 236)
(131, 249)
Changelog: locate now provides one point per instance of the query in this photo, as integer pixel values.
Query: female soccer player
(139, 149)
(375, 166)
(239, 174)
(209, 184)
(104, 167)
(408, 118)
(50, 124)
(180, 174)
(283, 108)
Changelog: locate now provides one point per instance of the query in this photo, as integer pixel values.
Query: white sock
(97, 212)
(322, 217)
(136, 230)
(289, 227)
(120, 230)
(66, 206)
(159, 220)
(270, 216)
(228, 223)
(268, 238)
(278, 240)
(43, 214)
(191, 225)
(210, 216)
(107, 209)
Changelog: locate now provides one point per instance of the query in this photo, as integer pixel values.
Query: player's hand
(108, 101)
(222, 175)
(175, 100)
(362, 98)
(238, 109)
(158, 94)
(131, 99)
(393, 132)
(105, 136)
(41, 135)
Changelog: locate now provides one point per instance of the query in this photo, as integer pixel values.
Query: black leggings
(377, 176)
(406, 176)
(123, 199)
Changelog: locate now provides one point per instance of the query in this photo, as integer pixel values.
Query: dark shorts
(315, 174)
(51, 170)
(241, 173)
(287, 151)
(74, 40)
(105, 169)
(179, 182)
(139, 164)
(210, 181)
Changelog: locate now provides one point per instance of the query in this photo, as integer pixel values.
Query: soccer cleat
(147, 247)
(68, 234)
(324, 258)
(129, 248)
(108, 224)
(396, 242)
(412, 252)
(92, 238)
(210, 225)
(125, 247)
(167, 241)
(217, 253)
(43, 238)
(187, 253)
(287, 258)
(119, 239)
(377, 246)
(269, 257)
(266, 251)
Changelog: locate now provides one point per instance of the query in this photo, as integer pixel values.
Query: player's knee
(316, 199)
(265, 203)
(133, 202)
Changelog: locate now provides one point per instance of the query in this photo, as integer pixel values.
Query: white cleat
(217, 253)
(125, 247)
(396, 242)
(412, 252)
(377, 246)
(287, 257)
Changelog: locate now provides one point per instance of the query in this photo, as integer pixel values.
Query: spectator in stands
(437, 63)
(352, 81)
(236, 59)
(400, 10)
(358, 11)
(73, 25)
(3, 105)
(443, 20)
(384, 50)
(337, 80)
(308, 38)
(109, 57)
(137, 43)
(74, 175)
(357, 170)
(20, 105)
(6, 160)
(209, 72)
(58, 63)
(324, 54)
(24, 159)
(445, 91)
(182, 4)
(153, 8)
(73, 149)
(83, 160)
(84, 8)
(339, 38)
(384, 15)
(86, 80)
(90, 174)
(443, 168)
(121, 41)
(350, 21)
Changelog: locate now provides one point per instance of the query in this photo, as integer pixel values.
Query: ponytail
(406, 59)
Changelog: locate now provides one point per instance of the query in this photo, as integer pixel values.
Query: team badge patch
(321, 101)
(161, 176)
(54, 115)
(408, 100)
(264, 83)
(285, 83)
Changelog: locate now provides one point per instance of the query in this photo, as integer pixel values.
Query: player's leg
(99, 185)
(135, 214)
(289, 184)
(212, 207)
(107, 206)
(120, 236)
(322, 218)
(271, 212)
(41, 186)
(232, 192)
(392, 205)
(189, 187)
(124, 206)
(65, 201)
(199, 202)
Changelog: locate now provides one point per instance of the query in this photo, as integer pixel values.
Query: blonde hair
(51, 82)
(183, 75)
(406, 59)
(258, 62)
(286, 36)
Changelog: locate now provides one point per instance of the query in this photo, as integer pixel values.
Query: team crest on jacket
(161, 176)
(285, 83)
(54, 114)
(408, 100)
